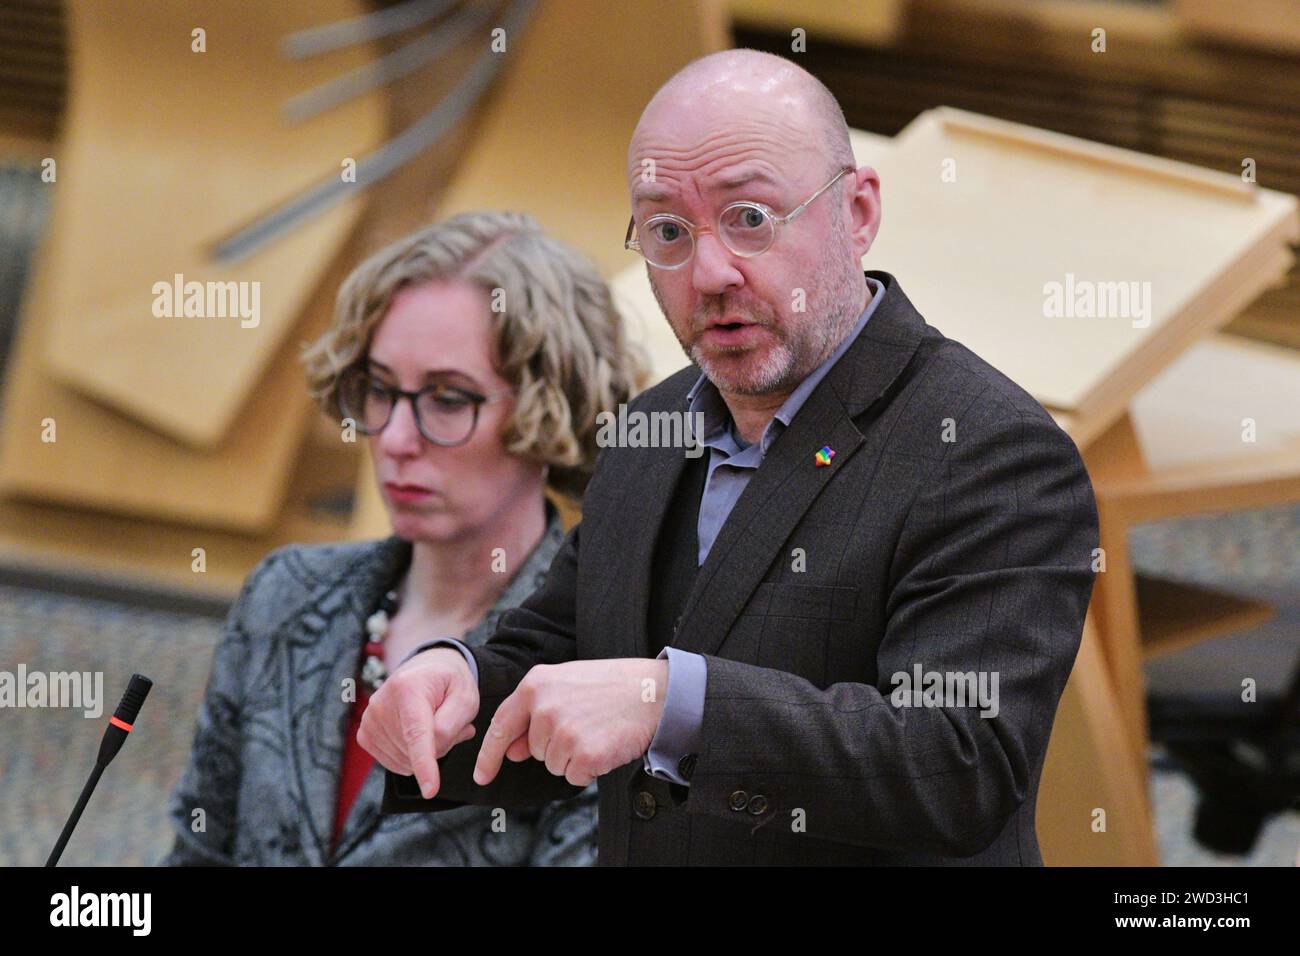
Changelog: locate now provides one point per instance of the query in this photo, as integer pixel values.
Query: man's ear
(864, 208)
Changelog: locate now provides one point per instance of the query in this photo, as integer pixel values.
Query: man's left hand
(582, 719)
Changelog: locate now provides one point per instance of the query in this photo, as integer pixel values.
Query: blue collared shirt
(732, 464)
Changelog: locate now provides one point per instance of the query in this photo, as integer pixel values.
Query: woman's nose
(401, 437)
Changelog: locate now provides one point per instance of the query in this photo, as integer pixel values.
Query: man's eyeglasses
(746, 228)
(445, 414)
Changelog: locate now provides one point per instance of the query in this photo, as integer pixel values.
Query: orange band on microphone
(120, 723)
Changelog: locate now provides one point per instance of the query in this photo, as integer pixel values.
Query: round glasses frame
(632, 239)
(394, 395)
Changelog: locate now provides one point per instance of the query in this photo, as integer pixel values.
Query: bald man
(840, 636)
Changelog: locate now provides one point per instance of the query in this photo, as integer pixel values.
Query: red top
(356, 763)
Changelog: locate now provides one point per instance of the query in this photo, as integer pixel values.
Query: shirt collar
(705, 397)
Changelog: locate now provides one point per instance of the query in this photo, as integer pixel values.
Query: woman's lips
(406, 493)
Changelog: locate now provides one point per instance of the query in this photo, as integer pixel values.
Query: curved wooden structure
(196, 420)
(161, 157)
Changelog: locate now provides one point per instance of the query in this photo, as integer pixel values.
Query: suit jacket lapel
(656, 472)
(788, 481)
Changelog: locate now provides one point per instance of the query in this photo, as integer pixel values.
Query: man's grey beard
(836, 294)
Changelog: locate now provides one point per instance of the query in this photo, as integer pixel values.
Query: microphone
(119, 725)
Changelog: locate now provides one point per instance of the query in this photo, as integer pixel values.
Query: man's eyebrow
(653, 192)
(744, 178)
(649, 192)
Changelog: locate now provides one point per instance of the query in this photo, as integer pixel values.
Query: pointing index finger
(417, 734)
(508, 723)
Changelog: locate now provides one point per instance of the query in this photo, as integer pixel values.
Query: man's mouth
(731, 332)
(728, 322)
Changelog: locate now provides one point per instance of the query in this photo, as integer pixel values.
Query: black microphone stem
(119, 727)
(86, 791)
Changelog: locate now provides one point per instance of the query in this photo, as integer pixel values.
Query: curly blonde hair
(559, 341)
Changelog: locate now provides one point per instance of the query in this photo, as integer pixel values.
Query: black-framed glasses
(444, 414)
(748, 229)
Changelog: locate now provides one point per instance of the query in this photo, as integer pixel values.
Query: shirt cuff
(677, 738)
(443, 642)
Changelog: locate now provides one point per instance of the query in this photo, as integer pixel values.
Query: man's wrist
(660, 680)
(678, 736)
(426, 646)
(451, 644)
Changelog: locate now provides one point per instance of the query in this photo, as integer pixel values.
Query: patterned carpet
(45, 754)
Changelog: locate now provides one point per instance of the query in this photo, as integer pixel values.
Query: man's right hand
(421, 711)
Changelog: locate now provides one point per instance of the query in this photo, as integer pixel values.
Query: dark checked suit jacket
(964, 555)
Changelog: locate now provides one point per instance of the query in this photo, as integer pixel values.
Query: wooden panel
(1028, 208)
(1114, 606)
(1261, 481)
(165, 151)
(542, 149)
(1175, 615)
(105, 460)
(117, 462)
(1194, 411)
(1188, 424)
(118, 549)
(867, 145)
(1116, 455)
(874, 23)
(1089, 768)
(33, 70)
(1274, 319)
(1267, 24)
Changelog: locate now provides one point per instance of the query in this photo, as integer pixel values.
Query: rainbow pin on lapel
(824, 456)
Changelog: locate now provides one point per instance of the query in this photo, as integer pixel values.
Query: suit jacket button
(686, 766)
(643, 805)
(737, 800)
(757, 804)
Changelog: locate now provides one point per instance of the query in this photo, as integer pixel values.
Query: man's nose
(401, 438)
(713, 271)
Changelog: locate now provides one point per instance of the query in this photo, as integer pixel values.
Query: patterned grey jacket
(264, 770)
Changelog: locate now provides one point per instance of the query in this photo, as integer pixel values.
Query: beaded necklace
(373, 670)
